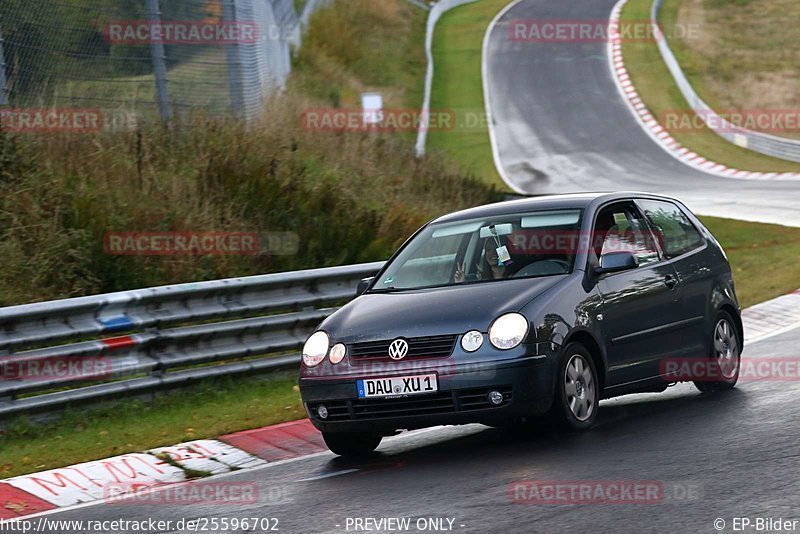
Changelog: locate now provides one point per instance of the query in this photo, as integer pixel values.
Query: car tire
(577, 389)
(352, 443)
(725, 354)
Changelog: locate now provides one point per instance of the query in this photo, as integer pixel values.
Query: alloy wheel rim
(579, 386)
(726, 349)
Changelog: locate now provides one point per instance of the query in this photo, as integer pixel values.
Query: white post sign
(372, 106)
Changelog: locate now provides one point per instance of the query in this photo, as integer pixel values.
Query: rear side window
(673, 228)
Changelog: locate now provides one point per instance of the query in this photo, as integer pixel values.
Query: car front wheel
(351, 443)
(577, 392)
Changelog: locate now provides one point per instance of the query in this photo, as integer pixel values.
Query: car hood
(426, 312)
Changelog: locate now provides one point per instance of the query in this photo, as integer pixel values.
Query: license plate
(398, 386)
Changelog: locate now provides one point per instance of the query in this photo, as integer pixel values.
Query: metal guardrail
(163, 337)
(770, 145)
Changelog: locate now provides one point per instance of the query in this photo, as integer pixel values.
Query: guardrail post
(235, 81)
(3, 79)
(159, 58)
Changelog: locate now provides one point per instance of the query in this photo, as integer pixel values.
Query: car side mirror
(363, 285)
(615, 262)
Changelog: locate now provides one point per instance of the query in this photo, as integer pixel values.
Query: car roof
(546, 202)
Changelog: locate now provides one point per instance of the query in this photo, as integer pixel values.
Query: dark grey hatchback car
(503, 313)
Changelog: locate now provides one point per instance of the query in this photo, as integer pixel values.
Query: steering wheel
(543, 268)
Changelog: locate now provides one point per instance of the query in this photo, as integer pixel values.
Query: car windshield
(524, 245)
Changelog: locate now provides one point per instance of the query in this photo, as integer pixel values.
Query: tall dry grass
(350, 197)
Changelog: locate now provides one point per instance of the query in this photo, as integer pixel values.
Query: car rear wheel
(725, 355)
(577, 391)
(352, 443)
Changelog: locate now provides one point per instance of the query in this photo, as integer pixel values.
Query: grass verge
(206, 410)
(741, 54)
(763, 257)
(457, 49)
(661, 95)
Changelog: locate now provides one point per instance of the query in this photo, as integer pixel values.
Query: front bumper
(526, 384)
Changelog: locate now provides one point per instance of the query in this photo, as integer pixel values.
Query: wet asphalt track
(737, 452)
(562, 126)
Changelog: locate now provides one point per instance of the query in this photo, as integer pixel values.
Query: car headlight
(315, 349)
(508, 331)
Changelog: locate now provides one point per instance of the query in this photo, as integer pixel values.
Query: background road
(738, 450)
(562, 126)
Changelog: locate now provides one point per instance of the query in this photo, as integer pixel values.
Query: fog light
(337, 354)
(472, 341)
(495, 397)
(322, 411)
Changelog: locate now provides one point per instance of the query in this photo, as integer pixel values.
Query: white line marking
(328, 475)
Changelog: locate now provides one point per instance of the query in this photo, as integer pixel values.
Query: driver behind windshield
(489, 267)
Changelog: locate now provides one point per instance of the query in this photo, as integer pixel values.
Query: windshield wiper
(384, 290)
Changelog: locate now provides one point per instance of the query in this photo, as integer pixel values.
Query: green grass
(763, 257)
(361, 46)
(457, 86)
(660, 94)
(206, 410)
(742, 54)
(133, 92)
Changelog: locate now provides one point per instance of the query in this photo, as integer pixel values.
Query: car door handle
(670, 281)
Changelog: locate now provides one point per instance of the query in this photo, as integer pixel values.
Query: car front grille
(418, 347)
(444, 402)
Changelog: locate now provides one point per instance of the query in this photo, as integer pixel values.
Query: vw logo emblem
(398, 349)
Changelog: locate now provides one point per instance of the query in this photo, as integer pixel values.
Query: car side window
(673, 228)
(619, 228)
